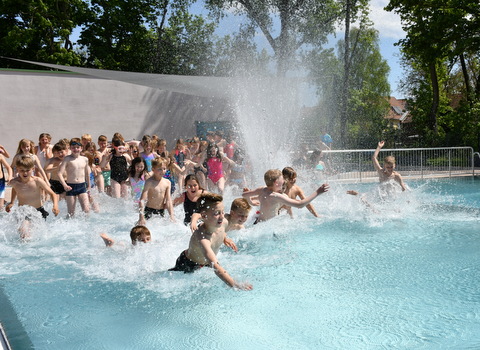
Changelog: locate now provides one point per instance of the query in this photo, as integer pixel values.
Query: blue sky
(387, 23)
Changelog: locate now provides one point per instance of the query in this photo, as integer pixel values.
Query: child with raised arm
(51, 168)
(77, 182)
(156, 193)
(388, 171)
(3, 179)
(207, 240)
(292, 190)
(272, 199)
(28, 189)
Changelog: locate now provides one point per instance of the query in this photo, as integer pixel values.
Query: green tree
(298, 23)
(368, 88)
(40, 30)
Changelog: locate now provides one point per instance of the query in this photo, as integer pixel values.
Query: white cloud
(387, 23)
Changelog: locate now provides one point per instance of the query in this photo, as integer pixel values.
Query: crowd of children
(154, 179)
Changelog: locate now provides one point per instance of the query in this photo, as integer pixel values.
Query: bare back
(196, 251)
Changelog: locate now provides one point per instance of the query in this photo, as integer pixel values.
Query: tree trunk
(432, 116)
(346, 80)
(466, 77)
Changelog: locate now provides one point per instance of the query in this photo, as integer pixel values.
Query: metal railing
(410, 162)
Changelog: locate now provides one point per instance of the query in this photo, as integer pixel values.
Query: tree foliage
(368, 88)
(40, 30)
(442, 44)
(287, 25)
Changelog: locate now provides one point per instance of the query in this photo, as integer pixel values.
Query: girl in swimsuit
(25, 148)
(214, 162)
(119, 161)
(138, 174)
(148, 155)
(190, 197)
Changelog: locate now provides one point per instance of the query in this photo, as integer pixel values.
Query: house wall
(69, 105)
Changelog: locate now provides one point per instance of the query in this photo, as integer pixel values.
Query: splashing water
(404, 275)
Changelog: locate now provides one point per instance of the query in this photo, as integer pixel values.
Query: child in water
(206, 242)
(138, 175)
(190, 197)
(138, 233)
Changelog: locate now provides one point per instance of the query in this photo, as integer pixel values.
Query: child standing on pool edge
(207, 240)
(388, 171)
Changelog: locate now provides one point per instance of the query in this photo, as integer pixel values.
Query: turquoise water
(401, 274)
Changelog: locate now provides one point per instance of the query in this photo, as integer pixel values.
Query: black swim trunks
(56, 186)
(77, 189)
(42, 211)
(185, 264)
(149, 212)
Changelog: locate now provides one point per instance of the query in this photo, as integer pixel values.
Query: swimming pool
(402, 275)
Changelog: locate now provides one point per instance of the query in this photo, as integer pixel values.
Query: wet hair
(25, 142)
(59, 146)
(193, 177)
(102, 138)
(137, 231)
(148, 142)
(271, 176)
(208, 200)
(218, 154)
(157, 162)
(389, 160)
(44, 134)
(240, 203)
(289, 173)
(135, 161)
(218, 133)
(26, 162)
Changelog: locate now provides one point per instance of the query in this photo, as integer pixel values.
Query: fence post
(449, 163)
(421, 164)
(360, 166)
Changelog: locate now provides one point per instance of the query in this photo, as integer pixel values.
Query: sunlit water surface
(402, 273)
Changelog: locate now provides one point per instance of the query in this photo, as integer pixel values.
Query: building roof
(398, 110)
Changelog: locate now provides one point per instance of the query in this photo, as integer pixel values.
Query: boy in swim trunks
(104, 151)
(239, 211)
(156, 193)
(78, 178)
(293, 191)
(206, 241)
(388, 171)
(28, 189)
(272, 198)
(51, 168)
(3, 181)
(138, 233)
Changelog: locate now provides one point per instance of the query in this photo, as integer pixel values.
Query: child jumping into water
(206, 242)
(388, 171)
(271, 197)
(292, 190)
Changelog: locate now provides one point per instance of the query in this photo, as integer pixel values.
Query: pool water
(403, 274)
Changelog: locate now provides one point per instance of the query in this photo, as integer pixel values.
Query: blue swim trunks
(77, 189)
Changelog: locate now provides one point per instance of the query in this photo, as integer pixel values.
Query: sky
(387, 23)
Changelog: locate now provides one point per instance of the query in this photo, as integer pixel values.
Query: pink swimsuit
(215, 169)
